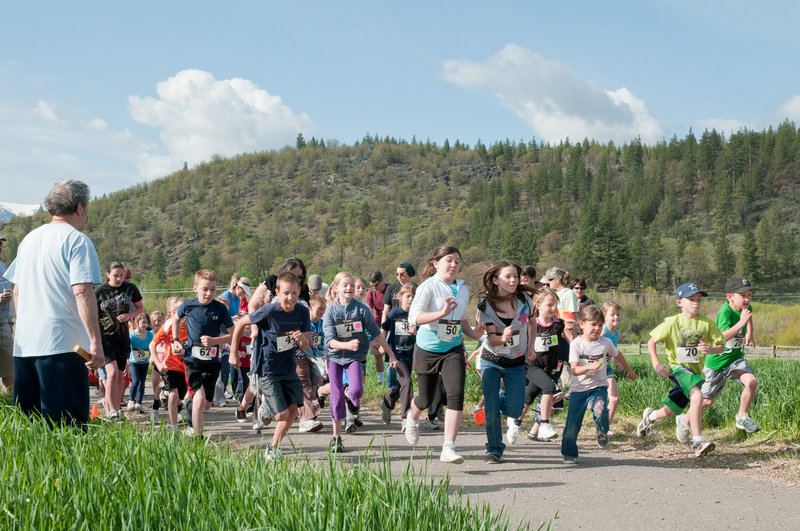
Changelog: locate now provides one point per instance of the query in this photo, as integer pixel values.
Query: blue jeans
(507, 401)
(138, 378)
(598, 398)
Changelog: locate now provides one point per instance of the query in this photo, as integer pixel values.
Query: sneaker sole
(707, 450)
(456, 461)
(350, 428)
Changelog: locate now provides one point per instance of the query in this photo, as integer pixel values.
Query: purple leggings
(355, 387)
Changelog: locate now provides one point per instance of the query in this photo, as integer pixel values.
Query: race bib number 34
(448, 329)
(687, 354)
(348, 327)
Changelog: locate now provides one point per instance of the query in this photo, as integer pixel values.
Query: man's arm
(87, 310)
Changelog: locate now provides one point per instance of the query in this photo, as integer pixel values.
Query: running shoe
(493, 459)
(412, 431)
(646, 425)
(602, 439)
(272, 454)
(449, 454)
(570, 460)
(241, 415)
(386, 414)
(513, 431)
(747, 424)
(350, 426)
(431, 424)
(336, 445)
(546, 432)
(703, 447)
(310, 425)
(682, 430)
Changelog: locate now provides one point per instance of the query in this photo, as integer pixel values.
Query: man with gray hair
(53, 276)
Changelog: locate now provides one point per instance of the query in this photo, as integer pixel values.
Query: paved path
(608, 489)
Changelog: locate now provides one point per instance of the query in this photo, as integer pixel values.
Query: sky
(116, 93)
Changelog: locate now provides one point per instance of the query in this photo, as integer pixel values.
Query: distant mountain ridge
(9, 210)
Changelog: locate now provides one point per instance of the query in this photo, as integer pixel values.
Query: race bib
(448, 329)
(348, 327)
(402, 328)
(591, 372)
(316, 339)
(140, 355)
(543, 343)
(249, 349)
(687, 354)
(506, 347)
(204, 353)
(285, 342)
(735, 342)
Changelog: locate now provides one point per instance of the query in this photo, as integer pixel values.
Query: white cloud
(553, 100)
(200, 116)
(790, 109)
(46, 111)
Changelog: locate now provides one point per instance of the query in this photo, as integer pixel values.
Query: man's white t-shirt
(50, 260)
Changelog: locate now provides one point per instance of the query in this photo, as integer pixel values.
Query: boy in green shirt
(735, 319)
(689, 337)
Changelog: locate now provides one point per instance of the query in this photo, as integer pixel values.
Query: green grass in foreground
(116, 477)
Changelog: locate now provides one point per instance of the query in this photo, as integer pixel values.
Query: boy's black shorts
(203, 375)
(116, 349)
(175, 380)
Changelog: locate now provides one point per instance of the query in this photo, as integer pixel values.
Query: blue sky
(116, 94)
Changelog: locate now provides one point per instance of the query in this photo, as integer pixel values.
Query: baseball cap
(687, 290)
(315, 282)
(738, 285)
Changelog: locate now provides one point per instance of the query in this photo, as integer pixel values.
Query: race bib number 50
(448, 329)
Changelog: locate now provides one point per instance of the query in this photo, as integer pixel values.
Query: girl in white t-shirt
(588, 356)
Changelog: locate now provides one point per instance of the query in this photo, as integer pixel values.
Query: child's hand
(506, 335)
(393, 363)
(450, 304)
(234, 362)
(206, 341)
(703, 347)
(662, 370)
(351, 345)
(596, 365)
(631, 375)
(124, 317)
(531, 355)
(745, 315)
(479, 329)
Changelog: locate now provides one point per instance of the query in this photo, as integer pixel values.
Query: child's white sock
(653, 417)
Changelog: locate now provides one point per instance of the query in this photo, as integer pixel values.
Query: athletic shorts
(175, 380)
(538, 382)
(684, 379)
(56, 386)
(203, 375)
(280, 391)
(116, 349)
(716, 380)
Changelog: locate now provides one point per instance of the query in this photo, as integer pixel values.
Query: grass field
(114, 476)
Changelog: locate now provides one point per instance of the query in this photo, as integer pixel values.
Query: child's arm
(749, 337)
(343, 345)
(577, 369)
(381, 341)
(208, 341)
(476, 332)
(530, 353)
(621, 360)
(745, 319)
(705, 348)
(233, 359)
(660, 368)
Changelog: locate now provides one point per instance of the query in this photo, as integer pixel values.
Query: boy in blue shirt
(283, 328)
(205, 317)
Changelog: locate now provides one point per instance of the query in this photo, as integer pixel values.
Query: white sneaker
(646, 425)
(546, 432)
(449, 454)
(682, 430)
(513, 431)
(131, 406)
(412, 431)
(747, 424)
(310, 425)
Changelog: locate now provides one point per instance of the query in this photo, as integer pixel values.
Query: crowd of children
(289, 347)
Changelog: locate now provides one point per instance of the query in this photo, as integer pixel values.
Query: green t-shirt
(682, 335)
(726, 318)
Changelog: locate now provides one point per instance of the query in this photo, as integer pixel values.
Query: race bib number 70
(687, 354)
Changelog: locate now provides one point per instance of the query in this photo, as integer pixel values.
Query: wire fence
(787, 352)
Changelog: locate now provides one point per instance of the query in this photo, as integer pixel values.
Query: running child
(689, 338)
(306, 368)
(245, 353)
(171, 367)
(118, 301)
(205, 318)
(611, 313)
(283, 328)
(735, 320)
(401, 336)
(139, 361)
(439, 313)
(588, 384)
(505, 310)
(544, 370)
(346, 323)
(157, 319)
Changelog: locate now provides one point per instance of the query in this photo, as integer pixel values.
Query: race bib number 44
(687, 354)
(448, 329)
(285, 342)
(204, 353)
(348, 327)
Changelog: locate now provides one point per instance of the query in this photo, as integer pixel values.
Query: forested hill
(624, 216)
